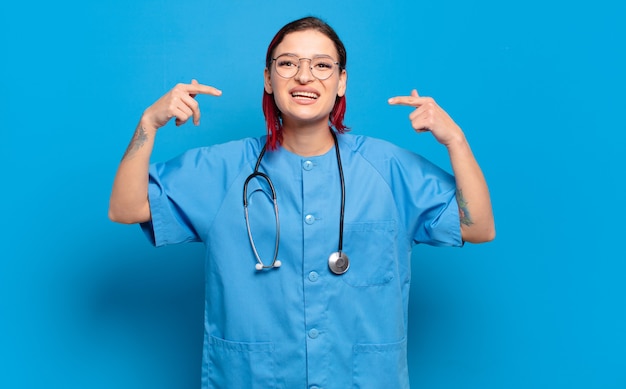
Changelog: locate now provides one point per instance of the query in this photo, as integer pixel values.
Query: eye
(285, 63)
(323, 64)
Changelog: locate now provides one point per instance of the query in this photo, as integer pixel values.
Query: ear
(268, 81)
(343, 83)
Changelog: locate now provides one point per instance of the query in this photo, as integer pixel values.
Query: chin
(306, 120)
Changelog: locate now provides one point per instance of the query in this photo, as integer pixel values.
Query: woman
(312, 291)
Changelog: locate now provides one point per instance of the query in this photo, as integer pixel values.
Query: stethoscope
(338, 262)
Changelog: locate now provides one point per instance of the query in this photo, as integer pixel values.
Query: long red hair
(272, 114)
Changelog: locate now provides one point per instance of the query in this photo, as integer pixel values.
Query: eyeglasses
(322, 66)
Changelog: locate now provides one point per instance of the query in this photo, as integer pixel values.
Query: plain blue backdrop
(538, 87)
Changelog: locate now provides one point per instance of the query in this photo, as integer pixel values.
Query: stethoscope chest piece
(338, 262)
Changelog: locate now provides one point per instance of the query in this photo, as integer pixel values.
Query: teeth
(308, 95)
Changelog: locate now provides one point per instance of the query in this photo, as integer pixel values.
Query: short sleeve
(430, 205)
(424, 194)
(169, 224)
(186, 192)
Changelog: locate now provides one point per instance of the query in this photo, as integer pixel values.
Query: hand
(428, 116)
(180, 103)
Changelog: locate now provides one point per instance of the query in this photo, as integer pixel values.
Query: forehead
(306, 44)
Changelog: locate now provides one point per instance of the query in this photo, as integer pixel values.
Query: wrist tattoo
(464, 214)
(136, 143)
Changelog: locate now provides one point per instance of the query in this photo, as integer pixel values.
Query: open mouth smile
(304, 95)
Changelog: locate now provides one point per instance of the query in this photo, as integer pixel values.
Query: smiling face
(304, 100)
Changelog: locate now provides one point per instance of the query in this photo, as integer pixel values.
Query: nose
(304, 75)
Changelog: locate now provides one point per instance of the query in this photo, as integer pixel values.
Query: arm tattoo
(136, 143)
(463, 211)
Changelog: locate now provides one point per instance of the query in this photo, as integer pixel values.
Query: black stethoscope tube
(338, 262)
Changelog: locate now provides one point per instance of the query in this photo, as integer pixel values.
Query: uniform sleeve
(170, 222)
(424, 194)
(186, 193)
(428, 200)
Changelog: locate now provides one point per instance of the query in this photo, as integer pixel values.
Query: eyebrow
(315, 56)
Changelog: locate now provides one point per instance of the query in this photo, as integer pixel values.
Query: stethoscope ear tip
(259, 266)
(338, 261)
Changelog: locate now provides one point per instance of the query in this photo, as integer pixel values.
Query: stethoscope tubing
(275, 262)
(343, 192)
(256, 173)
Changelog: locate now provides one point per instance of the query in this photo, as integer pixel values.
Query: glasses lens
(287, 65)
(322, 67)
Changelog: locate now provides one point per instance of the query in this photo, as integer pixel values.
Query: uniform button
(313, 276)
(307, 165)
(313, 333)
(309, 219)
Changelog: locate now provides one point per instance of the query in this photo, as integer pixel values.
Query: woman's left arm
(477, 222)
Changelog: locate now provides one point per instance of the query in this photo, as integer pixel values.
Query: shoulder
(237, 153)
(228, 149)
(390, 160)
(376, 150)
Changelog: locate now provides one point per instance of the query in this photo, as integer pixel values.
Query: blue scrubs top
(301, 326)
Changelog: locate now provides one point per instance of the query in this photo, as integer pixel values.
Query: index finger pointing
(201, 89)
(412, 101)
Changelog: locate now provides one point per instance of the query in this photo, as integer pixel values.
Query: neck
(307, 141)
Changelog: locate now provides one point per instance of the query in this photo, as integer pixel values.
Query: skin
(305, 132)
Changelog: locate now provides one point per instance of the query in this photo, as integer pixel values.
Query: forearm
(129, 197)
(477, 222)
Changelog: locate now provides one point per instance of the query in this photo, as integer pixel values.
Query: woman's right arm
(129, 197)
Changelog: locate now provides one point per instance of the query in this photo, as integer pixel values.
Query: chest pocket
(372, 249)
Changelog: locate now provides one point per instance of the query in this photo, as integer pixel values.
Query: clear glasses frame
(288, 65)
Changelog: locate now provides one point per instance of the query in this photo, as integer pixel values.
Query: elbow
(489, 235)
(124, 217)
(117, 218)
(483, 235)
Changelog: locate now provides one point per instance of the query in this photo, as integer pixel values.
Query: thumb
(193, 82)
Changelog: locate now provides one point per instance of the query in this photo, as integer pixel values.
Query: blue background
(538, 87)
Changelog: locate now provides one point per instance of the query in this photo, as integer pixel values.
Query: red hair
(272, 114)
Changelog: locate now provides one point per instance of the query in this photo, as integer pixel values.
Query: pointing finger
(196, 88)
(414, 100)
(411, 101)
